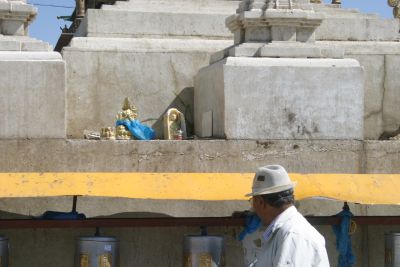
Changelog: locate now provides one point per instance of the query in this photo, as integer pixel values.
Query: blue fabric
(139, 131)
(253, 222)
(57, 215)
(343, 239)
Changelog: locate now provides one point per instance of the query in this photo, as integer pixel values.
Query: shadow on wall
(184, 103)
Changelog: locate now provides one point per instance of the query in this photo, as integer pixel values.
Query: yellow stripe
(360, 188)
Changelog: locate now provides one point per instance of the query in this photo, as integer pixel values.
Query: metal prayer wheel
(392, 249)
(204, 251)
(96, 251)
(4, 247)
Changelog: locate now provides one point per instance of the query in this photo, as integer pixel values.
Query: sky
(46, 27)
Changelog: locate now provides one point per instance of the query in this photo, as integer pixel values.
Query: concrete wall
(157, 74)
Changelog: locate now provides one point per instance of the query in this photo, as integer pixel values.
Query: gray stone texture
(165, 19)
(267, 98)
(32, 95)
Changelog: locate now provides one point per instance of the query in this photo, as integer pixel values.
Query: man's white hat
(271, 179)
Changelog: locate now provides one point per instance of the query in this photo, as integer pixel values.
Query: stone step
(22, 43)
(220, 7)
(128, 23)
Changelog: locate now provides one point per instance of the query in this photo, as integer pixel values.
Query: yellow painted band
(359, 188)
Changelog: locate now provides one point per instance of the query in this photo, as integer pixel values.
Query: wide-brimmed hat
(271, 179)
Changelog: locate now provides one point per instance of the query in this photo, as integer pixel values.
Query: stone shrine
(276, 82)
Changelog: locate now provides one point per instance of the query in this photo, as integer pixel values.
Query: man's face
(263, 210)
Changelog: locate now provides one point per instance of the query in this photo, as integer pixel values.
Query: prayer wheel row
(99, 251)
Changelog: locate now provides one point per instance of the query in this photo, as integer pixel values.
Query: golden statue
(174, 125)
(122, 133)
(107, 133)
(129, 112)
(129, 127)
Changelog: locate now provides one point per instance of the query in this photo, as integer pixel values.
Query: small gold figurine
(122, 133)
(107, 133)
(129, 112)
(174, 125)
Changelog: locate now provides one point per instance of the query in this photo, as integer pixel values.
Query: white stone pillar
(15, 15)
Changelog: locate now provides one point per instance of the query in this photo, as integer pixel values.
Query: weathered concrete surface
(32, 91)
(155, 74)
(268, 98)
(380, 61)
(352, 25)
(180, 156)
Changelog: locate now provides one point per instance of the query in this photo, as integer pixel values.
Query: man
(289, 239)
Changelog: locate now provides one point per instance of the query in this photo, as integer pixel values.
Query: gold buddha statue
(129, 112)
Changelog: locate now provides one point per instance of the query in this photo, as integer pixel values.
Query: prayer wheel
(96, 251)
(4, 251)
(204, 251)
(392, 250)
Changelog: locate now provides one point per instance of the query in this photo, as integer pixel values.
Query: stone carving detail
(174, 125)
(265, 28)
(396, 6)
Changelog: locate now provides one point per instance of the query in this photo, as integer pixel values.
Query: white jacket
(293, 242)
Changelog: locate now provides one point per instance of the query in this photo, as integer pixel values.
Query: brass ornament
(122, 133)
(388, 256)
(129, 112)
(107, 133)
(205, 260)
(188, 261)
(105, 260)
(84, 260)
